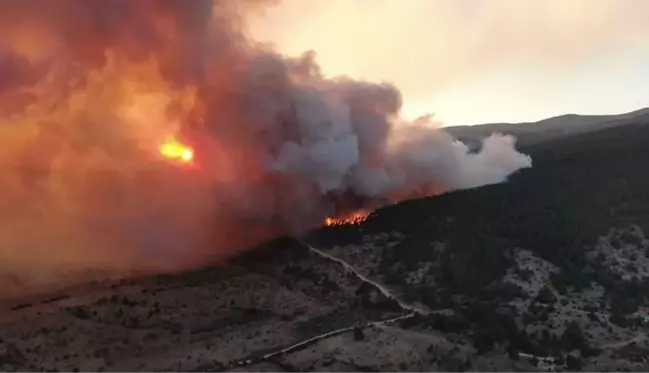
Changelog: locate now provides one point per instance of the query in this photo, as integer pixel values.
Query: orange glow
(353, 218)
(174, 150)
(471, 50)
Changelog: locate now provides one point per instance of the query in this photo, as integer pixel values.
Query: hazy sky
(477, 61)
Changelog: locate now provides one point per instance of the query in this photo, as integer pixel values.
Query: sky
(477, 61)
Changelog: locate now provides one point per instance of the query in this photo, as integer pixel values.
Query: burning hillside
(353, 218)
(93, 95)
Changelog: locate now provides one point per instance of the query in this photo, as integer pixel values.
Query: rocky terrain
(548, 272)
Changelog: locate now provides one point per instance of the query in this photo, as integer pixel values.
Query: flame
(353, 218)
(174, 150)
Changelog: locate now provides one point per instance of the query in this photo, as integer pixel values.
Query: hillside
(548, 129)
(549, 271)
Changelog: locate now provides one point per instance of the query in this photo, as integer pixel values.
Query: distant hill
(547, 129)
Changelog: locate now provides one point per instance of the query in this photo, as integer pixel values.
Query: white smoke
(347, 136)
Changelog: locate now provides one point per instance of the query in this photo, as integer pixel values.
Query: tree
(546, 296)
(573, 362)
(547, 337)
(484, 342)
(358, 334)
(589, 351)
(534, 361)
(512, 352)
(573, 337)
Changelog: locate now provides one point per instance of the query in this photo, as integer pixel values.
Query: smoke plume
(90, 89)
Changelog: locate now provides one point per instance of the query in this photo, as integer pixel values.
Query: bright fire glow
(354, 218)
(174, 150)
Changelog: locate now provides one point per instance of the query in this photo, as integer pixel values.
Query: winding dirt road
(412, 309)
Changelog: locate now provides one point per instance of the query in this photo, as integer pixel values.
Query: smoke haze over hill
(90, 89)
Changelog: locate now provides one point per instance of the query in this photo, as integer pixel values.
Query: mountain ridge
(546, 129)
(548, 271)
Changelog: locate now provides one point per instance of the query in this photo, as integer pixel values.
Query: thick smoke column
(89, 89)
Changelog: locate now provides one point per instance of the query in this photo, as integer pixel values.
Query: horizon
(552, 117)
(470, 62)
